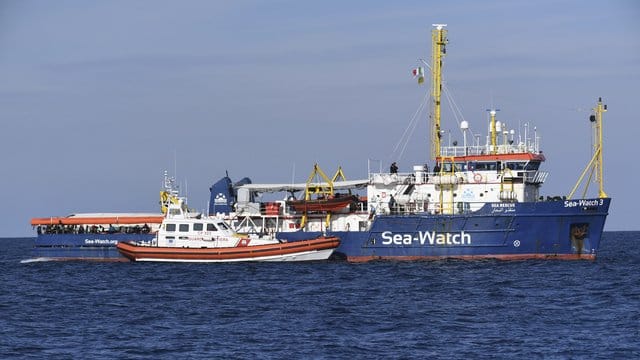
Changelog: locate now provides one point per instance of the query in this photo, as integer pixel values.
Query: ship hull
(510, 231)
(566, 230)
(88, 247)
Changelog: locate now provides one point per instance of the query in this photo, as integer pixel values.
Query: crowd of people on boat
(92, 229)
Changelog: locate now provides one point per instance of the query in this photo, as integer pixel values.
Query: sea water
(323, 310)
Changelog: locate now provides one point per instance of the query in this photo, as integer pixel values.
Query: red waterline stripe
(358, 259)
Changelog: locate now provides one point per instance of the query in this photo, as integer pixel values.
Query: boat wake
(38, 259)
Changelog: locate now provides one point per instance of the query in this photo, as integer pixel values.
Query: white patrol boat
(188, 237)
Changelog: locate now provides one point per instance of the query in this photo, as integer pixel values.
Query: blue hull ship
(557, 228)
(478, 201)
(541, 230)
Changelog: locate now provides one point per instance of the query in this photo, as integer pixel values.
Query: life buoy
(477, 177)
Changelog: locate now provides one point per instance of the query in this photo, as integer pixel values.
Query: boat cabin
(183, 228)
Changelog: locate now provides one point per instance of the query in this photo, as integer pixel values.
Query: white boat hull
(315, 255)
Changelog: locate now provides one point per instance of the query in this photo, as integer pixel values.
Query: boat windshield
(222, 225)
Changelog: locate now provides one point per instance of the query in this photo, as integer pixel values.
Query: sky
(98, 99)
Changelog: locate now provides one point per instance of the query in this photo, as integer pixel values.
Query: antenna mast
(599, 110)
(494, 128)
(596, 160)
(439, 41)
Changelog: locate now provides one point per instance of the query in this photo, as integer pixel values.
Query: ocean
(323, 310)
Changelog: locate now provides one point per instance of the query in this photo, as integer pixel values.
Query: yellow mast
(596, 160)
(599, 110)
(492, 131)
(439, 40)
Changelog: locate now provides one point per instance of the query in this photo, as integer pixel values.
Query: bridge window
(486, 166)
(170, 227)
(184, 227)
(458, 166)
(211, 227)
(532, 165)
(197, 227)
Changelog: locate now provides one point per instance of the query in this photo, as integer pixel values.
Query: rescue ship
(94, 236)
(479, 201)
(187, 237)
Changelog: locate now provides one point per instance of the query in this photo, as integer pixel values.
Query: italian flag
(419, 72)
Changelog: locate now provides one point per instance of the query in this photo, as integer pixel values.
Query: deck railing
(487, 149)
